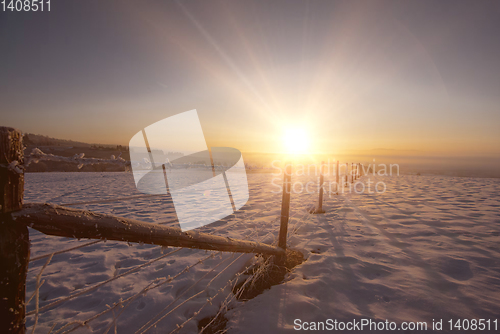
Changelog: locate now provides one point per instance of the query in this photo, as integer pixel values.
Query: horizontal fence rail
(57, 220)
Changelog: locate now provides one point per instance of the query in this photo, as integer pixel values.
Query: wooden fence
(63, 221)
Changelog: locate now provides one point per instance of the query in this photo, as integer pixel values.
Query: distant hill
(40, 140)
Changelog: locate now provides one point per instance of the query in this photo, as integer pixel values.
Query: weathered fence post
(285, 206)
(352, 172)
(337, 177)
(346, 173)
(14, 238)
(319, 209)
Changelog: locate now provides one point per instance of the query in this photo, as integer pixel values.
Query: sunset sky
(416, 76)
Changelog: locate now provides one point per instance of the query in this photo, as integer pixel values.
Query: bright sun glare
(296, 141)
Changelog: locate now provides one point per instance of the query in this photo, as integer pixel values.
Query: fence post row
(14, 237)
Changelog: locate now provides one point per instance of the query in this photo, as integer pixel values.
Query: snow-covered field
(428, 248)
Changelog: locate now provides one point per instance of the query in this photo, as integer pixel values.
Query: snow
(427, 248)
(15, 167)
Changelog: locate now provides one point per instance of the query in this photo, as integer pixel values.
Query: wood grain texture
(74, 223)
(14, 238)
(11, 183)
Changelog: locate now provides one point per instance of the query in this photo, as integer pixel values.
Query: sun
(296, 140)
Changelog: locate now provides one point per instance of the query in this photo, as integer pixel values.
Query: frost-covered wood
(14, 238)
(285, 206)
(11, 176)
(68, 222)
(319, 208)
